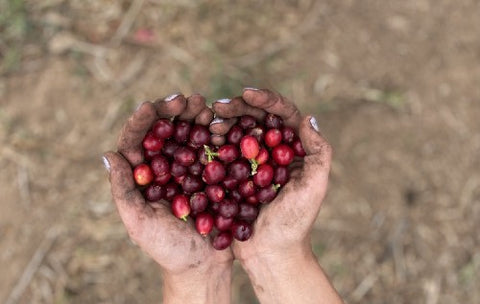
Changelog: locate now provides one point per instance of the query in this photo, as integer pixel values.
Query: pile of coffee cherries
(222, 188)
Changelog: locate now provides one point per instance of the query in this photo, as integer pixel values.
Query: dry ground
(395, 85)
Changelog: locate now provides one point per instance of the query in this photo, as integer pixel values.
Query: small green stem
(209, 153)
(276, 187)
(254, 166)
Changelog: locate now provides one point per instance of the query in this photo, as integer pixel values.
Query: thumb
(318, 160)
(128, 199)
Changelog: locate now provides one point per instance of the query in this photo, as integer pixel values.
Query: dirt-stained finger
(125, 194)
(205, 117)
(228, 108)
(170, 106)
(217, 140)
(195, 105)
(221, 126)
(274, 103)
(129, 142)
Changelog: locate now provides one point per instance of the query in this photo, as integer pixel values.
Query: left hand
(185, 256)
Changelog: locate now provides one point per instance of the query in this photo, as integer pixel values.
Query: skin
(193, 271)
(278, 257)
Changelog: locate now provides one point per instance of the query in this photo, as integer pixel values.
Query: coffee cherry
(191, 184)
(241, 230)
(182, 131)
(298, 148)
(213, 173)
(143, 174)
(163, 129)
(215, 193)
(234, 136)
(288, 135)
(228, 208)
(222, 240)
(282, 155)
(180, 206)
(204, 223)
(154, 192)
(223, 223)
(249, 146)
(273, 121)
(152, 143)
(264, 175)
(247, 122)
(198, 202)
(185, 156)
(199, 136)
(273, 138)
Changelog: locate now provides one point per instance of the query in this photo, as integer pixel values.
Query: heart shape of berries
(222, 188)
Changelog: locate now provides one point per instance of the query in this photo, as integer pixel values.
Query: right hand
(282, 229)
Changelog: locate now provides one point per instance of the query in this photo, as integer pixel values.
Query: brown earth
(395, 85)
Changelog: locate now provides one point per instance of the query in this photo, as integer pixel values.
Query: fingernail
(250, 89)
(106, 163)
(216, 120)
(314, 123)
(224, 100)
(171, 97)
(139, 106)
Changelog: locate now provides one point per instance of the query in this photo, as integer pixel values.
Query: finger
(316, 168)
(130, 140)
(135, 213)
(204, 117)
(170, 106)
(195, 104)
(221, 126)
(274, 103)
(217, 140)
(228, 108)
(128, 199)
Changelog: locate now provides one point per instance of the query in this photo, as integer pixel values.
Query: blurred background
(395, 86)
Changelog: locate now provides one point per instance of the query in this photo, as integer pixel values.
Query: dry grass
(395, 87)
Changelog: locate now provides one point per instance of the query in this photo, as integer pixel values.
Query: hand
(188, 260)
(280, 243)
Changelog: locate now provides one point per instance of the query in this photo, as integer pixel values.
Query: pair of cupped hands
(282, 229)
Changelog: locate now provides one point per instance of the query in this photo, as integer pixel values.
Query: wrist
(199, 285)
(292, 275)
(271, 257)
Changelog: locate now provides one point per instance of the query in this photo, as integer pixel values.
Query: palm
(290, 217)
(270, 233)
(171, 242)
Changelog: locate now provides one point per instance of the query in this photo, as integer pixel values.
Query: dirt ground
(395, 86)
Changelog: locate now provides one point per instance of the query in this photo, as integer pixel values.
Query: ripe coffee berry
(214, 173)
(273, 138)
(180, 206)
(249, 146)
(154, 192)
(198, 202)
(204, 223)
(264, 175)
(221, 187)
(241, 231)
(222, 240)
(163, 129)
(282, 155)
(152, 143)
(143, 174)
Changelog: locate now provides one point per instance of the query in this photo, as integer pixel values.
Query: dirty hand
(193, 271)
(278, 257)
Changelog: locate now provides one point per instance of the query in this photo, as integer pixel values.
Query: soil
(394, 85)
